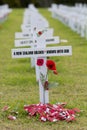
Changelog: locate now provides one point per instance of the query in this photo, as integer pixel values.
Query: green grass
(18, 80)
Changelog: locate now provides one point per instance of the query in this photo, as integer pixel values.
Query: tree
(24, 3)
(44, 3)
(15, 3)
(39, 3)
(1, 2)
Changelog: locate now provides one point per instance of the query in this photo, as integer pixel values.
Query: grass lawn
(18, 80)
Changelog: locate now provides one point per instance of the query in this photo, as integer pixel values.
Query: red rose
(40, 62)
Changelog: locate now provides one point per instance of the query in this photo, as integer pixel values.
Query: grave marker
(34, 22)
(42, 53)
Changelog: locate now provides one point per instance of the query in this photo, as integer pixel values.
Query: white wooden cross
(37, 42)
(34, 42)
(42, 53)
(30, 37)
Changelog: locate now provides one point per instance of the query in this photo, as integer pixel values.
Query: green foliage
(18, 81)
(69, 2)
(15, 3)
(39, 3)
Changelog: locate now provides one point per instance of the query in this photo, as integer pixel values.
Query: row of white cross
(36, 34)
(73, 16)
(4, 11)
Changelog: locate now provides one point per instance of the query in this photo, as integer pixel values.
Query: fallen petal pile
(52, 113)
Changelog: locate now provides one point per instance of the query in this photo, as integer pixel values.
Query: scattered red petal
(76, 109)
(10, 117)
(55, 72)
(5, 108)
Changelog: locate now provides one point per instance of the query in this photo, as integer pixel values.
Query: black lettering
(24, 42)
(24, 52)
(21, 42)
(59, 51)
(31, 41)
(31, 52)
(27, 52)
(66, 51)
(51, 51)
(17, 53)
(48, 40)
(38, 52)
(35, 52)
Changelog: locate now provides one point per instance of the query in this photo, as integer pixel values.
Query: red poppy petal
(55, 72)
(10, 117)
(50, 65)
(5, 108)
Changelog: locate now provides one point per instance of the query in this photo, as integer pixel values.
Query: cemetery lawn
(18, 84)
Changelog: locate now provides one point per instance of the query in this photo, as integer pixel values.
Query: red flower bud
(40, 33)
(46, 85)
